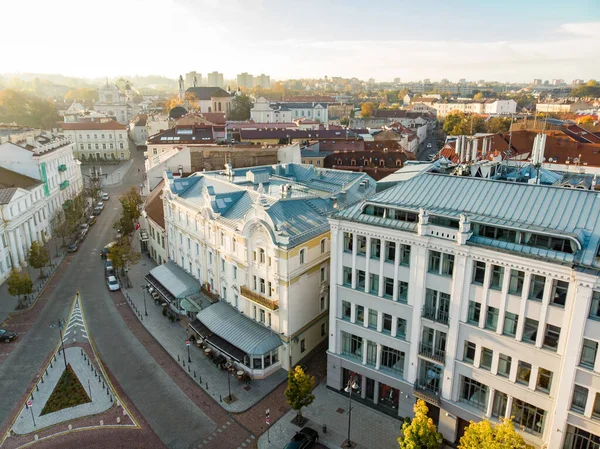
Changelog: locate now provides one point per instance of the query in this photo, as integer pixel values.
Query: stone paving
(112, 174)
(370, 428)
(172, 337)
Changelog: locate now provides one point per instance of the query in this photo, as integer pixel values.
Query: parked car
(110, 272)
(428, 145)
(73, 247)
(113, 284)
(97, 211)
(303, 439)
(105, 196)
(84, 228)
(81, 236)
(91, 220)
(7, 335)
(108, 265)
(106, 250)
(100, 205)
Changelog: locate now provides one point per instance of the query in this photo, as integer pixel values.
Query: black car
(303, 439)
(73, 247)
(7, 335)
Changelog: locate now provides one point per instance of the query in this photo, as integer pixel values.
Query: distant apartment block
(215, 79)
(561, 106)
(245, 80)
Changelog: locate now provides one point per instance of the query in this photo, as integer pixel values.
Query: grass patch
(68, 393)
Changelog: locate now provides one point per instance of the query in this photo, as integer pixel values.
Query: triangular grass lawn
(68, 393)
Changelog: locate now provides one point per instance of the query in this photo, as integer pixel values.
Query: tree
(478, 96)
(420, 433)
(38, 256)
(19, 284)
(27, 110)
(366, 109)
(299, 390)
(484, 434)
(402, 94)
(85, 95)
(586, 119)
(123, 255)
(240, 108)
(456, 124)
(130, 202)
(345, 121)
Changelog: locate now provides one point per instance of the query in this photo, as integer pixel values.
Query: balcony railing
(432, 353)
(427, 393)
(62, 168)
(260, 299)
(67, 204)
(64, 185)
(439, 316)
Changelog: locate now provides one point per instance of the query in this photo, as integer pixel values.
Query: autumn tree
(420, 433)
(586, 119)
(27, 110)
(478, 96)
(85, 95)
(484, 434)
(123, 254)
(366, 109)
(498, 125)
(299, 390)
(240, 108)
(19, 285)
(130, 203)
(456, 124)
(38, 256)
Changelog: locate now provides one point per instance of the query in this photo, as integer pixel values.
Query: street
(425, 153)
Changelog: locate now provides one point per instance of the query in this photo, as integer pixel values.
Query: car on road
(7, 336)
(84, 228)
(303, 439)
(105, 196)
(106, 250)
(110, 272)
(429, 145)
(91, 220)
(100, 205)
(73, 247)
(97, 211)
(113, 284)
(108, 265)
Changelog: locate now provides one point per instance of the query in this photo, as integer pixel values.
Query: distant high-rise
(245, 80)
(558, 82)
(215, 79)
(577, 82)
(263, 81)
(537, 82)
(189, 79)
(462, 81)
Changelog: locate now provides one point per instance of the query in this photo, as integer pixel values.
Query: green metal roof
(179, 283)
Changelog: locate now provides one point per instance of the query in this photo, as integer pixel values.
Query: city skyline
(381, 43)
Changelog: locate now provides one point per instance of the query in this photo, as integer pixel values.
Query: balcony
(62, 168)
(64, 185)
(439, 316)
(428, 394)
(67, 204)
(432, 353)
(259, 299)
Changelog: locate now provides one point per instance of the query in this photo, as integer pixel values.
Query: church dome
(177, 112)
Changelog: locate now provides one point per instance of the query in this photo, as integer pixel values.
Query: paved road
(425, 153)
(172, 415)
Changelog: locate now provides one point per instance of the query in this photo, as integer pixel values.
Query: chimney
(484, 149)
(475, 145)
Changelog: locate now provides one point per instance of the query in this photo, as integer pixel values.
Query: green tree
(497, 125)
(299, 390)
(484, 434)
(345, 121)
(240, 108)
(130, 202)
(123, 255)
(366, 109)
(19, 285)
(38, 256)
(420, 433)
(456, 124)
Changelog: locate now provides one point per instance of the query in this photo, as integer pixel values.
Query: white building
(480, 297)
(138, 131)
(211, 99)
(114, 103)
(561, 106)
(503, 107)
(263, 81)
(259, 239)
(103, 140)
(264, 111)
(49, 159)
(215, 79)
(154, 215)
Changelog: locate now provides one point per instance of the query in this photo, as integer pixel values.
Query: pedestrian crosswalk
(75, 329)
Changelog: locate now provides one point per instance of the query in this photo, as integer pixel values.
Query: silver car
(113, 284)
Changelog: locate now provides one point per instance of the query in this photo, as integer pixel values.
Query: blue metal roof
(179, 283)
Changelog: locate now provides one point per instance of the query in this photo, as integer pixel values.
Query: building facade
(259, 239)
(215, 79)
(114, 103)
(264, 111)
(245, 80)
(463, 292)
(97, 141)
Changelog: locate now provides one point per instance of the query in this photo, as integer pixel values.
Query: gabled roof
(154, 206)
(10, 179)
(206, 93)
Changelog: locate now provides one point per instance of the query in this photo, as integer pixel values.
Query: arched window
(398, 163)
(381, 163)
(302, 256)
(353, 162)
(338, 162)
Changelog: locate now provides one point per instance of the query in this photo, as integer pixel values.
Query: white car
(105, 196)
(100, 205)
(113, 284)
(428, 145)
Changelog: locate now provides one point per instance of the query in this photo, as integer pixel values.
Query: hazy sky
(508, 40)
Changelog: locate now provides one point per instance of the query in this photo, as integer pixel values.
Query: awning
(177, 282)
(189, 306)
(217, 342)
(230, 326)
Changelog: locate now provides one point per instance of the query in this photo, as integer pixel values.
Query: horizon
(343, 39)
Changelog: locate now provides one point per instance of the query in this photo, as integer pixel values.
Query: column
(13, 249)
(32, 229)
(381, 260)
(490, 404)
(376, 393)
(502, 311)
(352, 313)
(354, 252)
(363, 387)
(28, 240)
(539, 341)
(378, 359)
(396, 269)
(509, 402)
(523, 306)
(19, 247)
(484, 296)
(395, 327)
(533, 378)
(379, 321)
(364, 354)
(367, 265)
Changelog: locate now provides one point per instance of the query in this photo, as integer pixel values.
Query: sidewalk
(172, 337)
(113, 174)
(370, 428)
(8, 303)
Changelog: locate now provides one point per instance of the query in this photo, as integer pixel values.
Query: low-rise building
(211, 99)
(98, 140)
(265, 111)
(561, 106)
(138, 129)
(498, 107)
(154, 215)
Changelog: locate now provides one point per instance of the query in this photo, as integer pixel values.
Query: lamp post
(350, 387)
(145, 309)
(187, 343)
(229, 384)
(62, 342)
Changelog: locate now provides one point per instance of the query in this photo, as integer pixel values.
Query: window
(577, 438)
(269, 288)
(496, 277)
(322, 301)
(390, 251)
(580, 395)
(375, 248)
(302, 256)
(530, 331)
(528, 416)
(373, 318)
(588, 353)
(235, 269)
(486, 359)
(559, 293)
(222, 265)
(536, 287)
(596, 409)
(254, 309)
(233, 244)
(360, 314)
(262, 316)
(401, 328)
(322, 274)
(447, 265)
(254, 282)
(435, 259)
(388, 287)
(523, 372)
(595, 307)
(551, 337)
(499, 405)
(402, 291)
(469, 352)
(473, 393)
(352, 345)
(348, 242)
(360, 279)
(262, 286)
(371, 353)
(302, 345)
(511, 320)
(323, 246)
(361, 241)
(478, 272)
(504, 364)
(544, 380)
(347, 276)
(392, 359)
(346, 310)
(404, 255)
(261, 254)
(197, 249)
(374, 284)
(474, 312)
(387, 323)
(491, 318)
(210, 258)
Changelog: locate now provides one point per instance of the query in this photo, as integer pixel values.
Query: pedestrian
(138, 170)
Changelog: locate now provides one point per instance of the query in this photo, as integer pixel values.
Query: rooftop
(102, 125)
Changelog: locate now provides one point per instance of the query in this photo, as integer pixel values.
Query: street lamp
(62, 342)
(145, 309)
(188, 346)
(229, 384)
(350, 387)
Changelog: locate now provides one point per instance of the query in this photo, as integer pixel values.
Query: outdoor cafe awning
(172, 282)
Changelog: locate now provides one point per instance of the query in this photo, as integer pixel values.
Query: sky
(508, 40)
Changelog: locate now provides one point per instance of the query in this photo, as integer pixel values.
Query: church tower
(181, 89)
